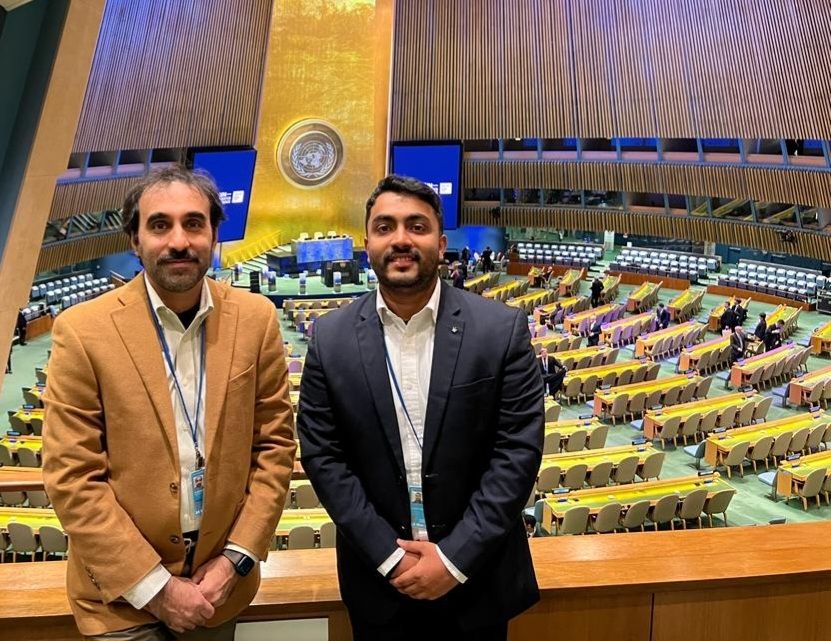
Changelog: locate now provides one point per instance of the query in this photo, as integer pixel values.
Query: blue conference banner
(233, 172)
(439, 164)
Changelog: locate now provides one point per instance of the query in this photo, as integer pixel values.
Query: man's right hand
(407, 561)
(180, 605)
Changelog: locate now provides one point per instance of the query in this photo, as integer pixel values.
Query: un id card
(197, 490)
(417, 508)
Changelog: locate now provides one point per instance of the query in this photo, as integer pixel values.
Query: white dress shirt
(410, 349)
(185, 346)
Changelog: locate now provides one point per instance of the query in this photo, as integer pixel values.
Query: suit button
(174, 488)
(403, 528)
(175, 539)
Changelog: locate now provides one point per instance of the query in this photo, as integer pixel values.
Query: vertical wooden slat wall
(90, 196)
(487, 69)
(68, 252)
(170, 73)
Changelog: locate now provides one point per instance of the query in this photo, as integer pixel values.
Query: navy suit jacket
(483, 435)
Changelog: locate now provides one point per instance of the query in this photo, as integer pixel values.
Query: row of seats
(41, 290)
(671, 345)
(560, 254)
(624, 405)
(577, 476)
(582, 388)
(69, 299)
(21, 540)
(596, 360)
(795, 284)
(695, 262)
(613, 517)
(590, 438)
(317, 235)
(698, 426)
(779, 371)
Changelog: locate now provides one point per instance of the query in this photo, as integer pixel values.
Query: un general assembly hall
(259, 257)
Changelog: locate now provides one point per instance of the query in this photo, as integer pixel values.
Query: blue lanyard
(193, 425)
(400, 395)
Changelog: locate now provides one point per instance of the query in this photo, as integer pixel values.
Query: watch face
(245, 565)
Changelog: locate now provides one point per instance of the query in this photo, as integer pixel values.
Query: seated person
(773, 336)
(553, 372)
(530, 525)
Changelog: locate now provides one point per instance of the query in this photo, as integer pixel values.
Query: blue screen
(233, 173)
(437, 164)
(324, 249)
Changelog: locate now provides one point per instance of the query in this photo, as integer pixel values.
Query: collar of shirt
(168, 318)
(431, 310)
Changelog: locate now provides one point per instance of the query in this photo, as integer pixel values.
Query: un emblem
(310, 153)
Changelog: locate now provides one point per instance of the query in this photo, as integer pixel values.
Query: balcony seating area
(777, 280)
(682, 265)
(570, 254)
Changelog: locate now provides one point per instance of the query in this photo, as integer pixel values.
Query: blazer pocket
(241, 379)
(474, 386)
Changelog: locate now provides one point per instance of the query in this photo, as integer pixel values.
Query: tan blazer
(111, 457)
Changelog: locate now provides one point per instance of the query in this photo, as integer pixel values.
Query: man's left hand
(215, 579)
(429, 578)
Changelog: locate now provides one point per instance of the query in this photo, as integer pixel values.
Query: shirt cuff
(238, 548)
(461, 578)
(142, 592)
(392, 560)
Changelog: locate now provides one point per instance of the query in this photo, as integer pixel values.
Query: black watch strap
(243, 564)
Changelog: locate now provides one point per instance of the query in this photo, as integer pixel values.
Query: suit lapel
(371, 343)
(220, 337)
(449, 331)
(135, 326)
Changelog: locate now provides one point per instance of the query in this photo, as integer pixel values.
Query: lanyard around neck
(193, 425)
(400, 395)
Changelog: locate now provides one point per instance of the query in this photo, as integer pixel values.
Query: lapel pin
(454, 330)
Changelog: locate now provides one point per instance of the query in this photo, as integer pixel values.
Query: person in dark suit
(738, 344)
(773, 336)
(557, 316)
(761, 328)
(553, 372)
(487, 259)
(728, 318)
(420, 387)
(594, 332)
(21, 326)
(740, 313)
(662, 316)
(597, 290)
(458, 277)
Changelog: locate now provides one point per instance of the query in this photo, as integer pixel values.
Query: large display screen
(233, 173)
(439, 164)
(322, 250)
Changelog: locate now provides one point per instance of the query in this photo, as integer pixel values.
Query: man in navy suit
(662, 316)
(421, 427)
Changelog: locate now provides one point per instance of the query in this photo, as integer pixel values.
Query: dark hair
(762, 315)
(199, 180)
(660, 304)
(529, 519)
(409, 187)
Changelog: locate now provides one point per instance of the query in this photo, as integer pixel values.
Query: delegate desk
(794, 473)
(31, 516)
(677, 304)
(590, 458)
(611, 285)
(30, 442)
(603, 399)
(800, 387)
(734, 583)
(636, 298)
(719, 445)
(821, 340)
(566, 303)
(608, 329)
(25, 416)
(570, 282)
(742, 370)
(691, 355)
(714, 319)
(572, 322)
(644, 344)
(314, 518)
(627, 494)
(602, 370)
(20, 479)
(576, 355)
(531, 298)
(567, 427)
(653, 420)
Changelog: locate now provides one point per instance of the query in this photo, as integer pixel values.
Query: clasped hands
(183, 604)
(421, 574)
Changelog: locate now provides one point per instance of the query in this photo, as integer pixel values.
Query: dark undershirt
(188, 315)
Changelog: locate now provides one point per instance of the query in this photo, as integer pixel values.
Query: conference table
(20, 479)
(602, 371)
(603, 399)
(718, 445)
(611, 284)
(653, 420)
(743, 369)
(608, 329)
(478, 280)
(644, 344)
(531, 298)
(800, 387)
(690, 356)
(34, 517)
(566, 303)
(568, 427)
(26, 415)
(29, 441)
(714, 319)
(572, 322)
(556, 506)
(590, 458)
(636, 298)
(794, 473)
(510, 288)
(313, 517)
(677, 304)
(821, 339)
(570, 282)
(580, 353)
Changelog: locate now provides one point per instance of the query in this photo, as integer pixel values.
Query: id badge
(197, 490)
(417, 507)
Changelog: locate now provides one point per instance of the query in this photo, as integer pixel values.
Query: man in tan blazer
(168, 439)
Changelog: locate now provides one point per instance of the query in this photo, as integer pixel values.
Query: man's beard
(176, 282)
(426, 272)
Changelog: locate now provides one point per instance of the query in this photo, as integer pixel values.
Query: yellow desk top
(314, 518)
(782, 312)
(628, 494)
(27, 415)
(684, 297)
(812, 378)
(504, 287)
(702, 406)
(15, 442)
(597, 311)
(629, 320)
(36, 390)
(602, 370)
(593, 457)
(800, 469)
(580, 352)
(482, 278)
(571, 276)
(666, 383)
(610, 281)
(715, 343)
(644, 290)
(33, 517)
(565, 303)
(531, 297)
(766, 358)
(673, 330)
(752, 433)
(824, 331)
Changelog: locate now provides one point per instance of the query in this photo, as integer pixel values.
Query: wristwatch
(243, 564)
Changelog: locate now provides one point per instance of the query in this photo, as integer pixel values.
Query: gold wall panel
(327, 61)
